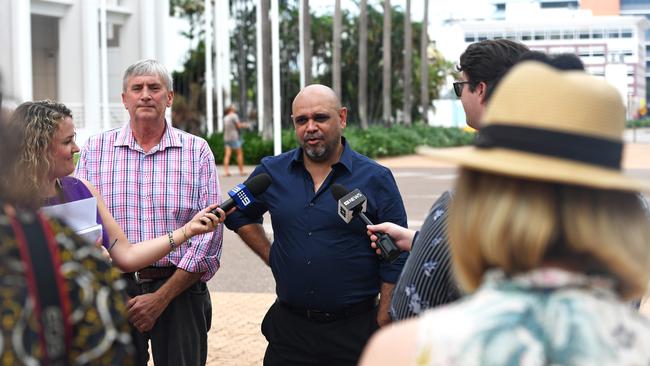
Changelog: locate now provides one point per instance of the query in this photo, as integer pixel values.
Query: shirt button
(311, 204)
(308, 261)
(309, 233)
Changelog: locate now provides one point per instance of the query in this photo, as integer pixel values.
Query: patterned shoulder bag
(46, 285)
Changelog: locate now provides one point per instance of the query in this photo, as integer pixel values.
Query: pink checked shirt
(152, 193)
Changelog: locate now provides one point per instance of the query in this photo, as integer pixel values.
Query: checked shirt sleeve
(204, 253)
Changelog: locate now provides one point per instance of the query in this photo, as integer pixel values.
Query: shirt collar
(345, 159)
(170, 138)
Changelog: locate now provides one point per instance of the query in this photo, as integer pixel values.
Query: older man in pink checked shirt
(154, 178)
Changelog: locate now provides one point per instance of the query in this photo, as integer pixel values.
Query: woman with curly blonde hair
(38, 122)
(86, 312)
(46, 161)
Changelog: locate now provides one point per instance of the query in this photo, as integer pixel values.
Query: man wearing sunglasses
(481, 67)
(426, 280)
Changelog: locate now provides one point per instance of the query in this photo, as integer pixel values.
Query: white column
(161, 39)
(91, 82)
(208, 66)
(260, 69)
(162, 22)
(225, 54)
(103, 48)
(68, 68)
(21, 23)
(219, 30)
(301, 32)
(148, 29)
(275, 50)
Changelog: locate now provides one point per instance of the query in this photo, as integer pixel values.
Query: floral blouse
(545, 317)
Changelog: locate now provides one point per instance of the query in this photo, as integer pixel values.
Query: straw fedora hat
(556, 126)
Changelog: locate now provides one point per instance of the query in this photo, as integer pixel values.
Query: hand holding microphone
(243, 194)
(353, 204)
(402, 237)
(203, 222)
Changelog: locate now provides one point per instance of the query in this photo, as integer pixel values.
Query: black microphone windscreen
(338, 191)
(258, 183)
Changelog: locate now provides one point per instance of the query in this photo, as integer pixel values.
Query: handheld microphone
(243, 194)
(354, 204)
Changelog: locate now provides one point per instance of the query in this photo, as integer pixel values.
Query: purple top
(75, 190)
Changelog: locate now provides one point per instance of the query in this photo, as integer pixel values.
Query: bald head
(317, 93)
(319, 121)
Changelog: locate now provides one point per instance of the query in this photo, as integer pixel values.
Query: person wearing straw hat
(426, 280)
(547, 235)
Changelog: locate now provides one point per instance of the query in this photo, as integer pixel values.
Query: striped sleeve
(427, 280)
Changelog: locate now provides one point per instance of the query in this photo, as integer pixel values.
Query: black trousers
(180, 335)
(296, 340)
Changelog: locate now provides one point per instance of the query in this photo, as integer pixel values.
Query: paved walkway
(235, 338)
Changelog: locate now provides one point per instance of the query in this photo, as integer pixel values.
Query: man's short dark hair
(488, 61)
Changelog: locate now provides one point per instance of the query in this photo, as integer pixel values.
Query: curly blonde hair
(37, 122)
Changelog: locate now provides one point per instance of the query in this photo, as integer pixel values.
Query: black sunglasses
(458, 87)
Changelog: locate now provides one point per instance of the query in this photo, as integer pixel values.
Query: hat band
(585, 149)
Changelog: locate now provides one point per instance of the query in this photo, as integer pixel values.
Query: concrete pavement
(243, 288)
(235, 338)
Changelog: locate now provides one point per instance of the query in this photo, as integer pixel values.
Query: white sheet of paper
(79, 215)
(91, 234)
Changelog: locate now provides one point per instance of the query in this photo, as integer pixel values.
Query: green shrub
(637, 123)
(375, 142)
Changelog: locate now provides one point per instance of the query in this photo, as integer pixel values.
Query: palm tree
(386, 61)
(363, 64)
(424, 65)
(336, 50)
(408, 55)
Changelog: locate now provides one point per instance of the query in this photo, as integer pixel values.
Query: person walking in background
(154, 178)
(233, 140)
(46, 158)
(549, 239)
(51, 283)
(327, 276)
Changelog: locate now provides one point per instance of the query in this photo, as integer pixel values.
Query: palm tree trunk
(363, 64)
(387, 63)
(336, 52)
(424, 65)
(408, 55)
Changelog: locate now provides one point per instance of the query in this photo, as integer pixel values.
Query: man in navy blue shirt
(327, 276)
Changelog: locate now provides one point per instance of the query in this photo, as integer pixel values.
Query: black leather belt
(320, 316)
(148, 274)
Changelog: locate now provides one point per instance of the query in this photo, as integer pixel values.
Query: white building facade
(640, 8)
(613, 47)
(75, 52)
(609, 46)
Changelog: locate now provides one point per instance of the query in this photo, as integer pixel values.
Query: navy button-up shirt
(319, 261)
